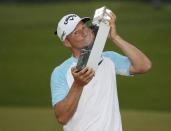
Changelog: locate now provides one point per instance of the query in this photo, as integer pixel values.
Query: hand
(82, 77)
(112, 32)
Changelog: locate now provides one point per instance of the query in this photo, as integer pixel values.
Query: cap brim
(85, 19)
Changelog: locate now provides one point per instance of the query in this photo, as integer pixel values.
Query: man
(87, 100)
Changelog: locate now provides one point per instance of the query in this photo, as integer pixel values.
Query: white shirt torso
(98, 107)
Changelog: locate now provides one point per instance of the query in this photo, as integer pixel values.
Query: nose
(85, 31)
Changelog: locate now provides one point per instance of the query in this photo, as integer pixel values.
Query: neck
(75, 52)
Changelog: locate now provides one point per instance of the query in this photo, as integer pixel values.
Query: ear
(67, 43)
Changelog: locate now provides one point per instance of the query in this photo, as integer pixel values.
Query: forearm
(65, 109)
(140, 62)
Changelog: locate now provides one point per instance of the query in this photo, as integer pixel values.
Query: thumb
(73, 69)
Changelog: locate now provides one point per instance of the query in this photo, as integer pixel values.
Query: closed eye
(76, 32)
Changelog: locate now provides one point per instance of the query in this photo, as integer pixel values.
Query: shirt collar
(74, 59)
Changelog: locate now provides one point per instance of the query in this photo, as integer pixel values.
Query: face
(81, 36)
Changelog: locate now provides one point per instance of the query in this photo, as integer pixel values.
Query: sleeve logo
(63, 34)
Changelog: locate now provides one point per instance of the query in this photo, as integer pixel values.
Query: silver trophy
(91, 55)
(83, 58)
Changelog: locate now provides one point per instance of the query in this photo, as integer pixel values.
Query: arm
(66, 108)
(139, 61)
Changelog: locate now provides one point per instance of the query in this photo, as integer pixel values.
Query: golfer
(88, 100)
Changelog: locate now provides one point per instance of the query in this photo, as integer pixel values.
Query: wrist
(115, 38)
(78, 85)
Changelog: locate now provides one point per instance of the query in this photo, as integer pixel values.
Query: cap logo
(71, 17)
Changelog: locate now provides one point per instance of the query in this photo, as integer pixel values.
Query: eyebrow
(75, 30)
(79, 24)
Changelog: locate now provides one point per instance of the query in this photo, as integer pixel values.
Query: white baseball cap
(67, 25)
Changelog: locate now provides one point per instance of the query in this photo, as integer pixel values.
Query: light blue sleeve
(122, 63)
(59, 86)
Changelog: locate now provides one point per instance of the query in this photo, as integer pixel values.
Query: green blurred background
(29, 52)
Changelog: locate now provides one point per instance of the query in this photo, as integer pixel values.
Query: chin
(88, 42)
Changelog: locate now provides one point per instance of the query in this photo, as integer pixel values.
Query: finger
(108, 13)
(83, 71)
(111, 20)
(89, 71)
(74, 69)
(112, 16)
(90, 76)
(111, 13)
